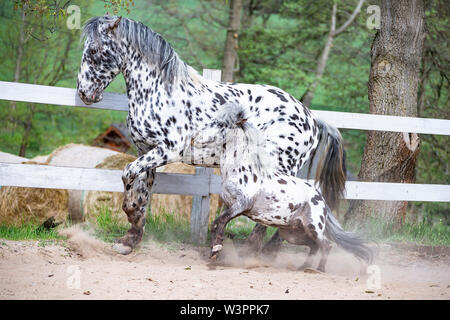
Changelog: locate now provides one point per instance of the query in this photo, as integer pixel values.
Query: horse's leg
(138, 179)
(272, 247)
(255, 239)
(217, 232)
(314, 247)
(325, 248)
(241, 205)
(136, 212)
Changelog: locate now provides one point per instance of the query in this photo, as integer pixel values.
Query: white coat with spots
(169, 102)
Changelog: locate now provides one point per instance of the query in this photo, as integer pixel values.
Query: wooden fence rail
(36, 176)
(113, 101)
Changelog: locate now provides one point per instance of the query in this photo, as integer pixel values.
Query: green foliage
(117, 5)
(57, 8)
(433, 165)
(48, 59)
(42, 7)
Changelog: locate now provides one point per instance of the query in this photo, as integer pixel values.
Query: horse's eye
(92, 51)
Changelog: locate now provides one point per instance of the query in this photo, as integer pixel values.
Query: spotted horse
(169, 102)
(253, 187)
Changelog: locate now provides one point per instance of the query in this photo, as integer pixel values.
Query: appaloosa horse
(253, 187)
(169, 101)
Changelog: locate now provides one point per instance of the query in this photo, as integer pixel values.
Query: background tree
(230, 56)
(393, 86)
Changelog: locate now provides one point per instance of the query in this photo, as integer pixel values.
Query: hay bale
(11, 158)
(19, 205)
(80, 156)
(181, 204)
(41, 159)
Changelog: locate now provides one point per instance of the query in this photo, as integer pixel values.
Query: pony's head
(237, 140)
(101, 60)
(230, 122)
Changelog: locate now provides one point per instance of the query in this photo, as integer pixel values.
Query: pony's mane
(151, 45)
(233, 117)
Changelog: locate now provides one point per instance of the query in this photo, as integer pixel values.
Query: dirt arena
(85, 268)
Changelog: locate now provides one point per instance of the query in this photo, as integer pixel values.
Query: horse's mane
(151, 45)
(233, 117)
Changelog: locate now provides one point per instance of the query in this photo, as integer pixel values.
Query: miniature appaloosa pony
(169, 101)
(253, 187)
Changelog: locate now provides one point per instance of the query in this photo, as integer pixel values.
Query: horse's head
(102, 58)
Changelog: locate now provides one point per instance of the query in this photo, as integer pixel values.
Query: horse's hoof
(215, 251)
(122, 249)
(311, 270)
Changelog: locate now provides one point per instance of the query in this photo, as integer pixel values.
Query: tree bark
(396, 56)
(231, 42)
(28, 125)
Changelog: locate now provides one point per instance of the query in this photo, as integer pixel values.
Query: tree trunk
(28, 125)
(19, 52)
(396, 56)
(231, 43)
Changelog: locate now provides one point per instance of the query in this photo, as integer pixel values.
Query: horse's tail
(349, 241)
(331, 168)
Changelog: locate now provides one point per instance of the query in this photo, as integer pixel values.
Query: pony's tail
(331, 169)
(349, 241)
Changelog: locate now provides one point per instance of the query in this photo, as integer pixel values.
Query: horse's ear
(113, 25)
(240, 122)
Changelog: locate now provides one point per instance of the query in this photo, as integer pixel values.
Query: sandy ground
(85, 268)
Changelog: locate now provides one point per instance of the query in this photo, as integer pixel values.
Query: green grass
(28, 231)
(426, 233)
(109, 227)
(164, 227)
(167, 227)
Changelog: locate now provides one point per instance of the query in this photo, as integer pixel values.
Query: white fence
(204, 182)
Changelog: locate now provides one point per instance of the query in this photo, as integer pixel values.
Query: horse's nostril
(95, 95)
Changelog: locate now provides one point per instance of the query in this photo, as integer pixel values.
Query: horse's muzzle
(95, 97)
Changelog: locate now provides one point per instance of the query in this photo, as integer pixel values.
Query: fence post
(200, 204)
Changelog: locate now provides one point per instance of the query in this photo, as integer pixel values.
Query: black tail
(331, 168)
(349, 241)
